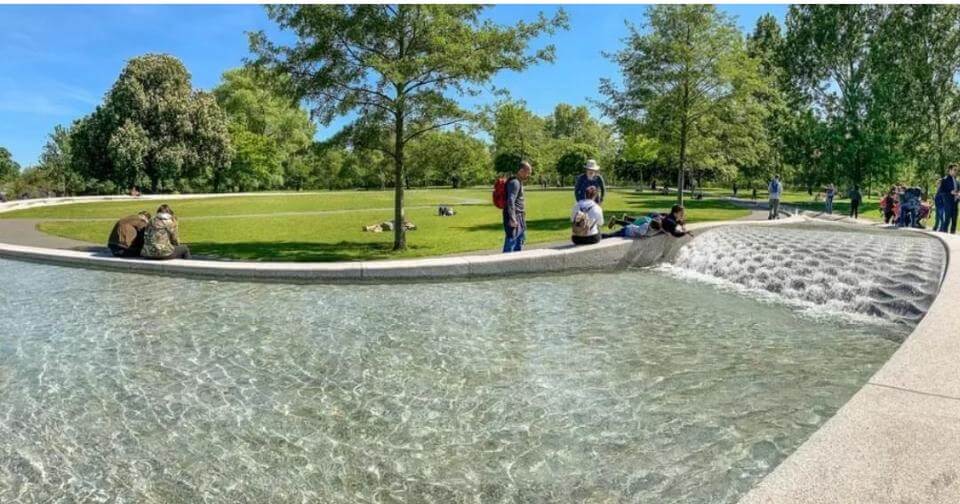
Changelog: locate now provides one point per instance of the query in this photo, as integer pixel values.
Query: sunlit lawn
(281, 228)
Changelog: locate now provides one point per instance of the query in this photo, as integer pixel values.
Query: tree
(915, 54)
(573, 159)
(681, 77)
(827, 56)
(56, 160)
(450, 157)
(152, 128)
(394, 66)
(639, 152)
(518, 135)
(256, 106)
(8, 167)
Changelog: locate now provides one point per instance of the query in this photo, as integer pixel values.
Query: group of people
(141, 235)
(905, 207)
(587, 215)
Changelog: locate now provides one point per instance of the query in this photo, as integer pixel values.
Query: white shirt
(593, 210)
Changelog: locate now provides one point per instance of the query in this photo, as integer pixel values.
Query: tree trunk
(683, 160)
(399, 233)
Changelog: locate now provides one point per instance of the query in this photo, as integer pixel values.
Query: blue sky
(59, 61)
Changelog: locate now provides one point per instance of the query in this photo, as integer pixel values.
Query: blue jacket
(947, 185)
(580, 188)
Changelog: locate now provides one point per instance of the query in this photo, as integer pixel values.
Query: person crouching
(587, 218)
(126, 237)
(161, 240)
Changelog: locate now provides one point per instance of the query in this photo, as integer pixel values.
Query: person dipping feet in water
(161, 239)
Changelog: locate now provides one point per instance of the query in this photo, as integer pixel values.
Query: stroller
(910, 208)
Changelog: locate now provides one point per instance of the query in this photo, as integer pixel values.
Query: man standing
(946, 198)
(514, 211)
(775, 189)
(855, 199)
(126, 238)
(590, 178)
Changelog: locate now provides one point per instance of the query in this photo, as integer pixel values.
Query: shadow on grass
(297, 251)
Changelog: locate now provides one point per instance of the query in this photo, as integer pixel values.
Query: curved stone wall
(898, 438)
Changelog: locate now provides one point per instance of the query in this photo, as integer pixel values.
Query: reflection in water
(586, 388)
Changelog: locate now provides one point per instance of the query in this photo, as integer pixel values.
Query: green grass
(249, 227)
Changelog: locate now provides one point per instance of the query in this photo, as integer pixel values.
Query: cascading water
(838, 269)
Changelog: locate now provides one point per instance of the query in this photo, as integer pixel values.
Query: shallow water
(837, 270)
(631, 387)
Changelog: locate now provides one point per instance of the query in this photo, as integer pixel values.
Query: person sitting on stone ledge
(126, 237)
(587, 217)
(161, 240)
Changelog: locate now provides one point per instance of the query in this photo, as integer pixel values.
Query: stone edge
(897, 439)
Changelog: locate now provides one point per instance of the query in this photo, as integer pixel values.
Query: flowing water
(628, 387)
(839, 270)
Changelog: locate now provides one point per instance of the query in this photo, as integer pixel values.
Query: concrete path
(24, 232)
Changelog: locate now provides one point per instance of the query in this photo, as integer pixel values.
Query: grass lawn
(293, 227)
(869, 208)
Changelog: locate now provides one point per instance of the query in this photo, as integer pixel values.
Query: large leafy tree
(56, 160)
(518, 134)
(8, 167)
(827, 56)
(916, 58)
(153, 128)
(394, 67)
(264, 125)
(686, 76)
(450, 157)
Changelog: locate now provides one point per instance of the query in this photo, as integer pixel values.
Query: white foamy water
(825, 270)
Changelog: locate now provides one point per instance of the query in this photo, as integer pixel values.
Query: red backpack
(500, 192)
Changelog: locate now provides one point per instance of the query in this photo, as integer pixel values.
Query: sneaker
(611, 222)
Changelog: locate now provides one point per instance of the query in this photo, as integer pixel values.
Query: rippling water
(824, 269)
(631, 387)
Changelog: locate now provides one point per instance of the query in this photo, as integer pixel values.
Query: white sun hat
(592, 165)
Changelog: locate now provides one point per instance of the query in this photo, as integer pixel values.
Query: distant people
(909, 215)
(161, 239)
(775, 190)
(126, 237)
(587, 217)
(754, 196)
(888, 205)
(590, 178)
(828, 193)
(946, 198)
(514, 211)
(855, 199)
(734, 188)
(135, 192)
(924, 212)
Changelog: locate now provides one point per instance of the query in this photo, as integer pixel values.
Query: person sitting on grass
(126, 237)
(587, 217)
(161, 240)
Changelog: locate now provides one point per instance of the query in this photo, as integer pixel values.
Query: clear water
(837, 270)
(630, 387)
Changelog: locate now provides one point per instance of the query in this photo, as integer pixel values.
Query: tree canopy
(394, 67)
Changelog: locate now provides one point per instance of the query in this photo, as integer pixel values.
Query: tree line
(861, 95)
